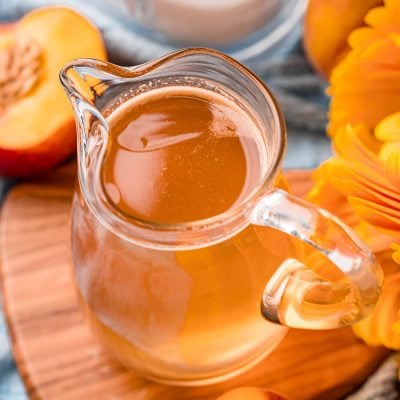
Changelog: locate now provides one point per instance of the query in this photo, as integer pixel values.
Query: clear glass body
(191, 303)
(188, 316)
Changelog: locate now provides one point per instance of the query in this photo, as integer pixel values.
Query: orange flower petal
(392, 165)
(389, 128)
(389, 211)
(388, 149)
(351, 188)
(386, 223)
(383, 18)
(327, 196)
(371, 107)
(357, 144)
(377, 19)
(361, 37)
(344, 174)
(376, 240)
(360, 166)
(396, 254)
(378, 329)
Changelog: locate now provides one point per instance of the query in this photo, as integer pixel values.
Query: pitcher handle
(296, 296)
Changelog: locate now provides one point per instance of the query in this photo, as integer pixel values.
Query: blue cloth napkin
(11, 386)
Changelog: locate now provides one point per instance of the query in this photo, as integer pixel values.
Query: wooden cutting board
(57, 355)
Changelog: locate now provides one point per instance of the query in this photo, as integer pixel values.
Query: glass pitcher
(196, 303)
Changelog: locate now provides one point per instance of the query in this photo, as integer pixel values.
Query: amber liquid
(181, 156)
(193, 316)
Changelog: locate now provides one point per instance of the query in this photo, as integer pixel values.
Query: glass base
(210, 380)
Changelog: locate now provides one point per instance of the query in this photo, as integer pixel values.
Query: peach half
(327, 25)
(250, 393)
(37, 128)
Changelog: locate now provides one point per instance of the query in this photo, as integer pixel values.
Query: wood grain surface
(57, 355)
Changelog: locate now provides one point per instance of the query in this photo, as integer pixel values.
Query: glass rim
(273, 167)
(196, 233)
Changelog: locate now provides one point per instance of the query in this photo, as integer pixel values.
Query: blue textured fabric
(11, 386)
(299, 91)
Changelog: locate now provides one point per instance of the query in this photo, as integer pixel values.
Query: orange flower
(362, 183)
(388, 131)
(360, 186)
(365, 86)
(396, 254)
(382, 327)
(327, 194)
(365, 180)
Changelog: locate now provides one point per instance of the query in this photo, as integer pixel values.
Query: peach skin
(327, 25)
(250, 393)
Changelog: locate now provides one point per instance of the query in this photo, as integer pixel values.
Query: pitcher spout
(80, 79)
(84, 85)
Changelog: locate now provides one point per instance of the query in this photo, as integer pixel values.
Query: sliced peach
(327, 25)
(7, 27)
(37, 129)
(250, 393)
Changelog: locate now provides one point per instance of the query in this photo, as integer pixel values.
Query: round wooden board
(58, 356)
